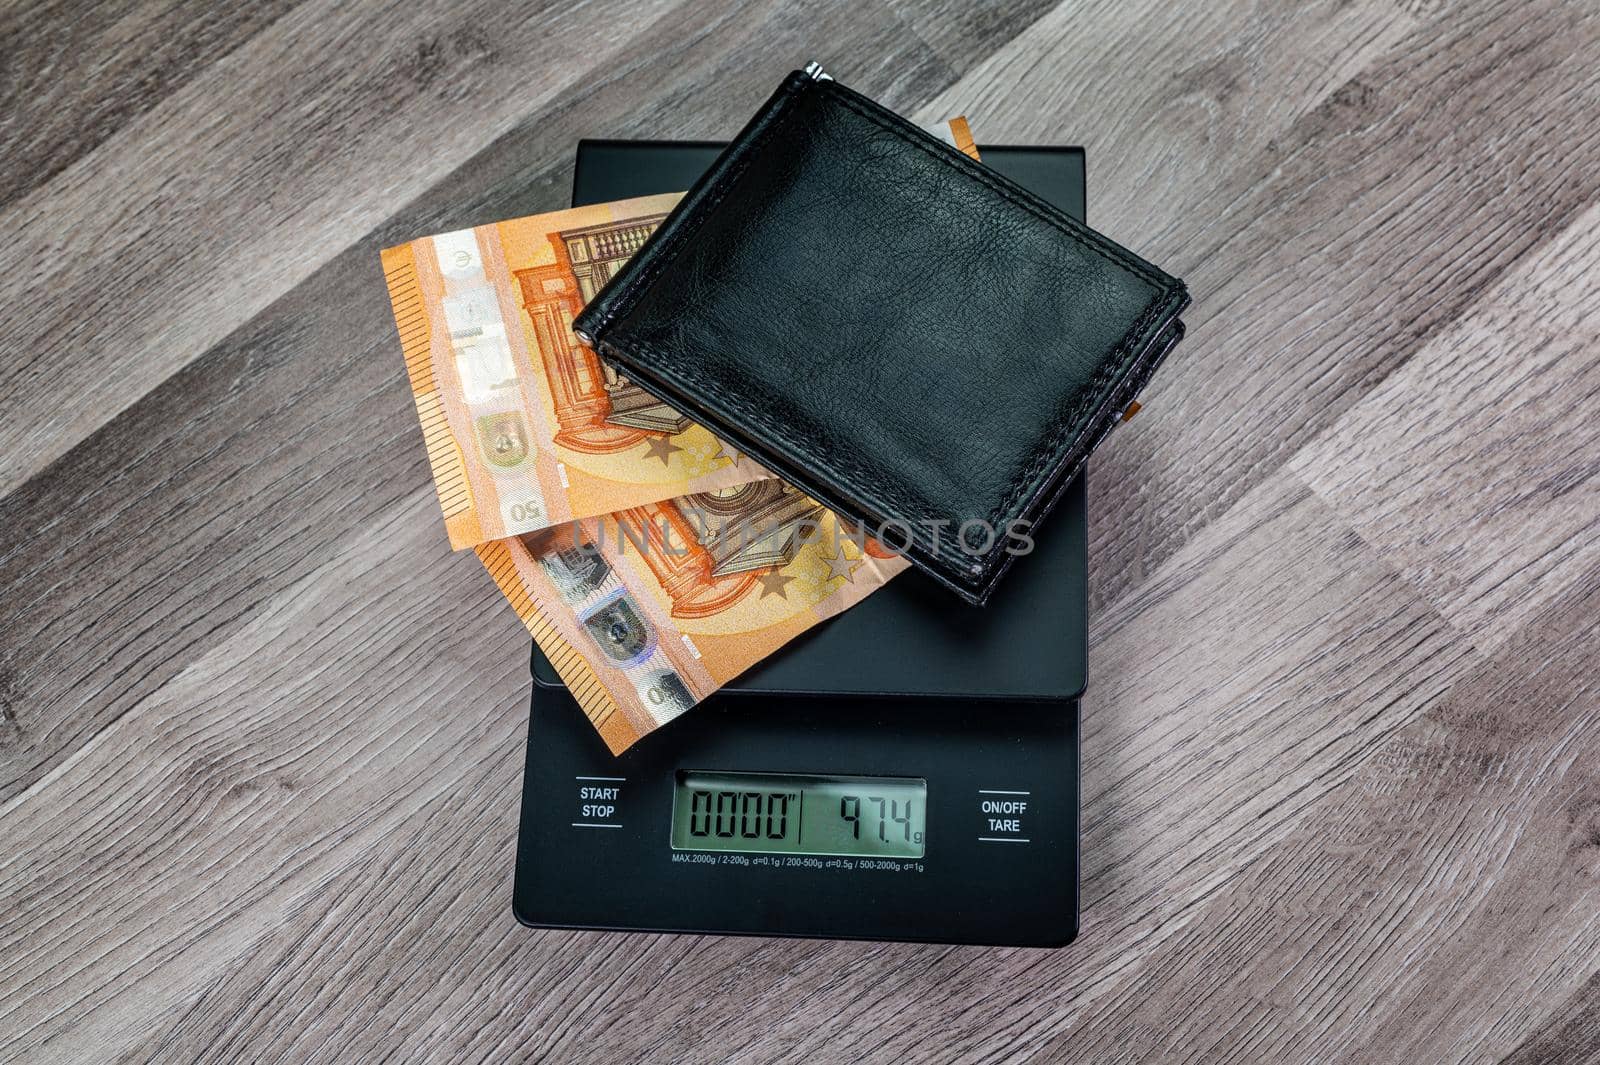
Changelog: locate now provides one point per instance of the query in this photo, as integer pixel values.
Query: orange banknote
(651, 563)
(525, 427)
(646, 612)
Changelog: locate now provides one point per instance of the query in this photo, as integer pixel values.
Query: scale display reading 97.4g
(770, 813)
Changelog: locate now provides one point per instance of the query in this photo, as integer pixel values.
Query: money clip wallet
(904, 335)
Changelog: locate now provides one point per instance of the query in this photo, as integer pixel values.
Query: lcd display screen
(773, 813)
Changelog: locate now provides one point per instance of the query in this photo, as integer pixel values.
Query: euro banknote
(645, 612)
(525, 427)
(650, 607)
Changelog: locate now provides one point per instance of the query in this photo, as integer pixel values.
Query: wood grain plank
(1215, 84)
(141, 869)
(74, 75)
(198, 214)
(1431, 910)
(231, 457)
(964, 34)
(1321, 254)
(1476, 465)
(1571, 1037)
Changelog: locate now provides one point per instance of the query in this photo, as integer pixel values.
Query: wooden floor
(261, 733)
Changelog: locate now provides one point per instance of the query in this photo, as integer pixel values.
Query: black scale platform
(980, 703)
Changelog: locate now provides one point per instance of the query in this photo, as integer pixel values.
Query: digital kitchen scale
(906, 771)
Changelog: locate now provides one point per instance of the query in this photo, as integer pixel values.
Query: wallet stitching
(1120, 361)
(850, 475)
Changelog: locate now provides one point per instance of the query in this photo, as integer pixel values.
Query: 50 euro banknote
(646, 612)
(525, 427)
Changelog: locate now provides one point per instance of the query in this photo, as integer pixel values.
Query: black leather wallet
(908, 337)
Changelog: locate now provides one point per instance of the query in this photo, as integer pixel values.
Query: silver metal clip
(814, 71)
